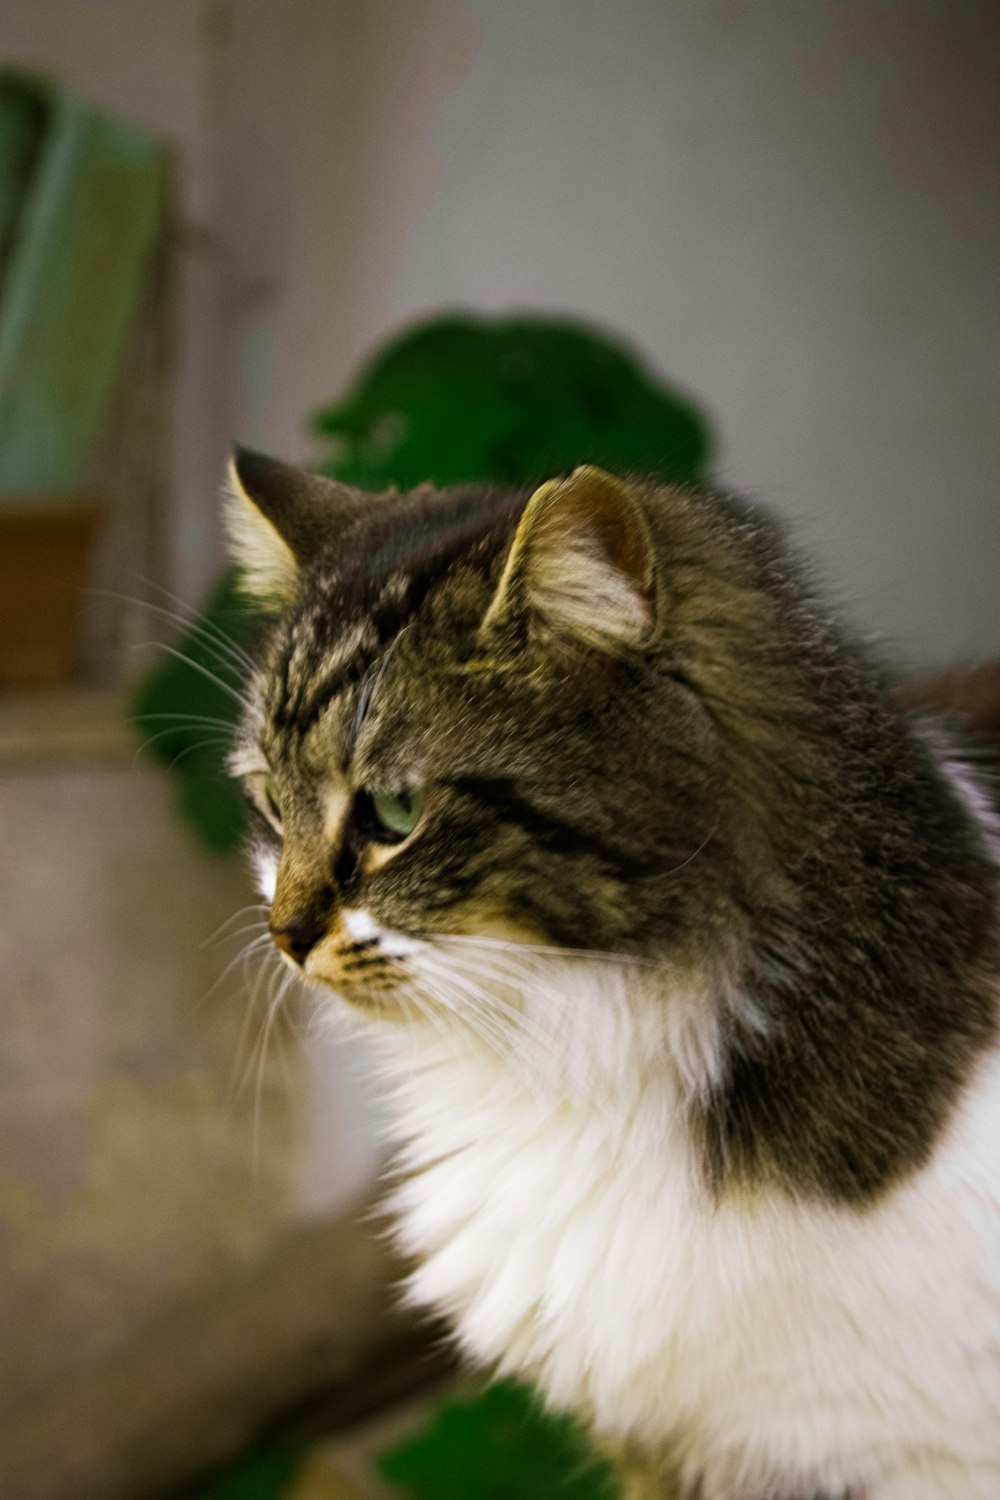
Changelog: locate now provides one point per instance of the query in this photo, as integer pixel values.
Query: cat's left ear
(581, 565)
(280, 516)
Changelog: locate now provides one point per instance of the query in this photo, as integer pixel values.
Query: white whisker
(243, 956)
(185, 720)
(516, 1032)
(222, 932)
(191, 622)
(210, 741)
(205, 672)
(192, 619)
(240, 1072)
(549, 950)
(281, 984)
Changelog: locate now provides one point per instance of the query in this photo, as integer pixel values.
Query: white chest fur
(774, 1347)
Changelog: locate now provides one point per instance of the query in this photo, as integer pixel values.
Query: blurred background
(769, 232)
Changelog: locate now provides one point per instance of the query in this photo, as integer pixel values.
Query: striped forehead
(353, 604)
(318, 664)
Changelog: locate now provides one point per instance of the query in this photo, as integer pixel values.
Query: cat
(682, 949)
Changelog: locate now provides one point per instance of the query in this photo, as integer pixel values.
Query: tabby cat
(683, 951)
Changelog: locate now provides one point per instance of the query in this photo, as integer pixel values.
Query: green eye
(396, 816)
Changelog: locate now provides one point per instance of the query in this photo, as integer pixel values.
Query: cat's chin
(384, 1000)
(377, 1005)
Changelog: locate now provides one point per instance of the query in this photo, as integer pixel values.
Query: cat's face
(459, 729)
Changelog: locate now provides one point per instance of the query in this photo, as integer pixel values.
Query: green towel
(83, 247)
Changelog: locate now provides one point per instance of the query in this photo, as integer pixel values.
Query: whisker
(703, 845)
(192, 622)
(185, 720)
(532, 1036)
(193, 749)
(429, 1014)
(265, 979)
(243, 956)
(478, 1005)
(210, 676)
(192, 617)
(238, 1076)
(221, 931)
(512, 974)
(507, 945)
(456, 999)
(208, 742)
(278, 995)
(257, 926)
(474, 987)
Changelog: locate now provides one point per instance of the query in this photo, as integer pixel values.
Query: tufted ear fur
(279, 516)
(581, 564)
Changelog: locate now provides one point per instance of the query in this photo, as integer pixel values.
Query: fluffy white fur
(780, 1348)
(978, 804)
(265, 869)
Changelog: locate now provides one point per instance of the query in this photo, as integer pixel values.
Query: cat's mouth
(364, 964)
(350, 952)
(360, 973)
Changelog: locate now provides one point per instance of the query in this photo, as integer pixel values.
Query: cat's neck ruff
(572, 1240)
(543, 1155)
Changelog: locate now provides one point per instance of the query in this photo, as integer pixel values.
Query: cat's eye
(265, 798)
(388, 818)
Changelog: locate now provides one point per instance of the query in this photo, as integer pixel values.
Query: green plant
(497, 1445)
(512, 401)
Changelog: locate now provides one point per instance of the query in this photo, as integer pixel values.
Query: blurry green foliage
(465, 400)
(266, 1474)
(499, 1445)
(453, 400)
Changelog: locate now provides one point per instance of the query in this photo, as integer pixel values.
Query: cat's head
(469, 723)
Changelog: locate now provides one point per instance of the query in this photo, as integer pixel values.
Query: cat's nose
(299, 936)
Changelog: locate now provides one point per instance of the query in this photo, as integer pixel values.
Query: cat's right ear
(279, 516)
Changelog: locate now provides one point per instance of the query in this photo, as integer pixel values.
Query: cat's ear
(581, 565)
(279, 516)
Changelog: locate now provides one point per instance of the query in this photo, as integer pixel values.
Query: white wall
(353, 99)
(794, 207)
